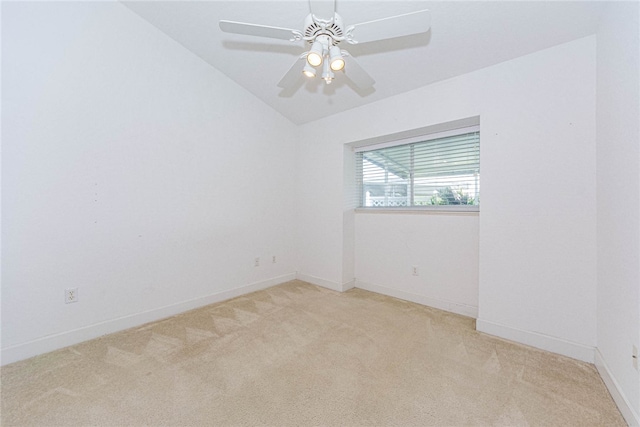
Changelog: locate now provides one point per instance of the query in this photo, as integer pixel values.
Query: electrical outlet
(70, 295)
(634, 355)
(273, 260)
(415, 270)
(256, 262)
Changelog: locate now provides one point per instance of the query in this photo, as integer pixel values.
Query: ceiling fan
(324, 37)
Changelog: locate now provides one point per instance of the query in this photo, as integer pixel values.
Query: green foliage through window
(451, 196)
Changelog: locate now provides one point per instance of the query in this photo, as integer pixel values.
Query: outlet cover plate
(70, 295)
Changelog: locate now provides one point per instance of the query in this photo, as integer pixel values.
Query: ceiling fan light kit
(336, 59)
(316, 54)
(324, 36)
(327, 74)
(308, 70)
(324, 52)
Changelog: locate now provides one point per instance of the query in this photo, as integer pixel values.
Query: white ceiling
(464, 36)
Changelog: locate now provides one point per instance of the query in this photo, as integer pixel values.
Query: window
(433, 170)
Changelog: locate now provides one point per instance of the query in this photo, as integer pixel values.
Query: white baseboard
(541, 341)
(631, 417)
(334, 286)
(348, 285)
(453, 307)
(67, 338)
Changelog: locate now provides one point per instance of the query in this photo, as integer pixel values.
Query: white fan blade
(259, 30)
(293, 75)
(356, 73)
(393, 26)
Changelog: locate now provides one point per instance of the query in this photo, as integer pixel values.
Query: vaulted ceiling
(464, 36)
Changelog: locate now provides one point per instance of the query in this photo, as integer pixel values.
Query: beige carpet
(297, 354)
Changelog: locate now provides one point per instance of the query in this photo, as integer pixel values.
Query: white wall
(537, 251)
(618, 192)
(538, 254)
(444, 248)
(324, 199)
(132, 170)
(320, 218)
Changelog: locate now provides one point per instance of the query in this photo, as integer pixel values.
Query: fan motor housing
(314, 27)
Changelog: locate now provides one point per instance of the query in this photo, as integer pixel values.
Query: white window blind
(429, 172)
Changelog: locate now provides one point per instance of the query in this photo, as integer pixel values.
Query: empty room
(320, 212)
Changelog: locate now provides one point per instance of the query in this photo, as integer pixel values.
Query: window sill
(424, 210)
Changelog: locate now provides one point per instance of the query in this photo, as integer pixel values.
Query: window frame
(419, 209)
